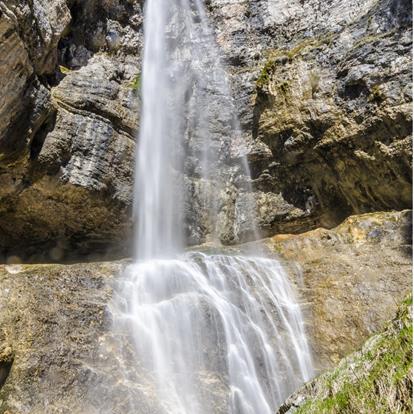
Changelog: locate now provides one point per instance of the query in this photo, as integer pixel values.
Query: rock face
(27, 55)
(335, 110)
(351, 278)
(50, 334)
(67, 133)
(57, 353)
(384, 363)
(323, 93)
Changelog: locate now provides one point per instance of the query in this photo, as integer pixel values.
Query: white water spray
(211, 334)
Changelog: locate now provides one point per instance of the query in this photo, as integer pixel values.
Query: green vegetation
(265, 74)
(304, 46)
(309, 44)
(64, 69)
(378, 380)
(376, 95)
(136, 82)
(371, 39)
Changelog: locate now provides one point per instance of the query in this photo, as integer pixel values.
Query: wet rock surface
(351, 278)
(57, 354)
(55, 337)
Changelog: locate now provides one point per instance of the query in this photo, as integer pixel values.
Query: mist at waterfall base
(208, 333)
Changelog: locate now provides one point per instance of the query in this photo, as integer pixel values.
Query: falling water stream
(212, 333)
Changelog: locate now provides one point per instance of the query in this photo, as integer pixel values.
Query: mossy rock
(277, 56)
(377, 379)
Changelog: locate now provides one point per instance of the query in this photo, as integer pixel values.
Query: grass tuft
(378, 380)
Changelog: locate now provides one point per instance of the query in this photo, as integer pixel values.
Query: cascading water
(209, 333)
(217, 334)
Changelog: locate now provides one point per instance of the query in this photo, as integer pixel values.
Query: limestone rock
(66, 168)
(326, 89)
(351, 278)
(57, 350)
(27, 53)
(80, 170)
(53, 333)
(336, 115)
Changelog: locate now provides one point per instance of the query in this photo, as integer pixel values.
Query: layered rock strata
(322, 91)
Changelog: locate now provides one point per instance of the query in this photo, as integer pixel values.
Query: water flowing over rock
(315, 95)
(213, 333)
(55, 327)
(322, 93)
(188, 128)
(353, 276)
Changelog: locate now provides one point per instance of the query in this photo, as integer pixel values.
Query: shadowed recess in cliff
(5, 367)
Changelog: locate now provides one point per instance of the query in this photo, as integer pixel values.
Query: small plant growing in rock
(314, 79)
(376, 95)
(266, 73)
(136, 82)
(64, 69)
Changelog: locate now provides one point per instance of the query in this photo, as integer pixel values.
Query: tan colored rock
(56, 350)
(51, 318)
(378, 377)
(354, 276)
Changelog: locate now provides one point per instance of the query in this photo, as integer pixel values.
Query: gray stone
(323, 94)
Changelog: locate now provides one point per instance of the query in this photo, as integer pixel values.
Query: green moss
(266, 73)
(407, 302)
(305, 46)
(64, 69)
(376, 94)
(136, 82)
(379, 381)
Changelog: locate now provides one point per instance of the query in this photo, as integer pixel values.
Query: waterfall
(208, 333)
(217, 334)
